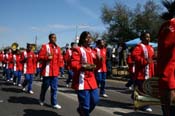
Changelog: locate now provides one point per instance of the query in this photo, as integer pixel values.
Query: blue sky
(22, 20)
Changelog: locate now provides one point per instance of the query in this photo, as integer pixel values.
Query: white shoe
(104, 95)
(31, 92)
(67, 85)
(24, 89)
(57, 106)
(41, 103)
(148, 110)
(14, 83)
(130, 88)
(19, 85)
(1, 101)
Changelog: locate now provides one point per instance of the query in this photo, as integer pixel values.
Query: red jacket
(61, 61)
(50, 67)
(101, 52)
(9, 60)
(130, 62)
(166, 55)
(68, 58)
(141, 62)
(29, 62)
(1, 56)
(17, 62)
(83, 80)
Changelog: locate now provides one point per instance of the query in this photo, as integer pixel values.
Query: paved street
(18, 103)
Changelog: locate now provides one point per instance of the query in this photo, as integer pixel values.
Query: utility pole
(36, 41)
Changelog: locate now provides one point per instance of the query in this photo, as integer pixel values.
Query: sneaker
(31, 92)
(41, 103)
(148, 110)
(19, 85)
(130, 88)
(24, 89)
(67, 85)
(104, 95)
(57, 106)
(8, 80)
(1, 101)
(14, 83)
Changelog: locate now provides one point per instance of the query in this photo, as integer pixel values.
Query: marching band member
(143, 55)
(17, 67)
(29, 68)
(166, 60)
(102, 71)
(9, 64)
(68, 62)
(84, 82)
(50, 55)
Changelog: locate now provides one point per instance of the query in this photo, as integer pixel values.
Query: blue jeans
(61, 71)
(101, 80)
(9, 73)
(88, 99)
(70, 75)
(53, 83)
(28, 81)
(17, 74)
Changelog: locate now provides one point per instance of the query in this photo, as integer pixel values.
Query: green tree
(148, 19)
(124, 24)
(118, 21)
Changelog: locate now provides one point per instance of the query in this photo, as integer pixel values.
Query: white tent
(137, 40)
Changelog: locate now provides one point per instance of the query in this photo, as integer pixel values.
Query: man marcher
(50, 55)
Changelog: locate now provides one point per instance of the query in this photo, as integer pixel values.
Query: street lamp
(80, 26)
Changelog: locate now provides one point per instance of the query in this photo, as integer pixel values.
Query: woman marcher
(84, 82)
(143, 55)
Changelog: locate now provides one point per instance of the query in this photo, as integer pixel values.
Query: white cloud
(61, 27)
(86, 10)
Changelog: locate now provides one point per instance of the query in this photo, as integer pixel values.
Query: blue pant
(88, 99)
(17, 74)
(101, 80)
(53, 83)
(70, 75)
(61, 71)
(38, 70)
(28, 80)
(9, 73)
